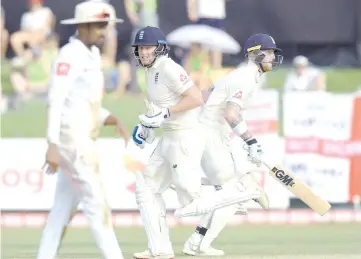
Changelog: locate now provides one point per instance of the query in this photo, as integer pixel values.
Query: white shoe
(194, 250)
(147, 255)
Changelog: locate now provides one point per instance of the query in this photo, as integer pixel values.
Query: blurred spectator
(141, 13)
(36, 25)
(109, 49)
(198, 66)
(210, 13)
(4, 34)
(117, 76)
(32, 78)
(304, 77)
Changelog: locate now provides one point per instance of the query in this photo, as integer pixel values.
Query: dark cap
(260, 41)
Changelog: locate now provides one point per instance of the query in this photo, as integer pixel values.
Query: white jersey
(239, 86)
(166, 81)
(75, 95)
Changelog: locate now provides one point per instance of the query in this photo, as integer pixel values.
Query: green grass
(338, 80)
(30, 119)
(248, 241)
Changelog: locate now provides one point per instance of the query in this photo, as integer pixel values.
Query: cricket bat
(298, 188)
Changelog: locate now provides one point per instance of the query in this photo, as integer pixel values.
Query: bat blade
(299, 188)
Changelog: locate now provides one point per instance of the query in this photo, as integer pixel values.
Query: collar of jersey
(254, 67)
(78, 42)
(159, 61)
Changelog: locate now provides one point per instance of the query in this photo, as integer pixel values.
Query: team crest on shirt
(156, 77)
(62, 69)
(238, 94)
(183, 78)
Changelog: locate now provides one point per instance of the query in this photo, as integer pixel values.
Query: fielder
(222, 115)
(75, 115)
(176, 160)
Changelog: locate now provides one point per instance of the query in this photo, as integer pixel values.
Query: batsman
(222, 115)
(174, 103)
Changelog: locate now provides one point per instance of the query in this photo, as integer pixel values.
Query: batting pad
(150, 214)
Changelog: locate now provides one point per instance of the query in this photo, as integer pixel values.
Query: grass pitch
(331, 241)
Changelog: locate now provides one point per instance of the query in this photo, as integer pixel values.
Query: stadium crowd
(34, 46)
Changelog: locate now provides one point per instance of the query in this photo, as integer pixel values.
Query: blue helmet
(150, 36)
(261, 42)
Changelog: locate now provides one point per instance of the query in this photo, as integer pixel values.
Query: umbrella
(214, 39)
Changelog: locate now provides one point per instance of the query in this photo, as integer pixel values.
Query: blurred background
(307, 115)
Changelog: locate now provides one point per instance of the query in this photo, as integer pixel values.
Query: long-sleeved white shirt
(239, 87)
(166, 82)
(75, 113)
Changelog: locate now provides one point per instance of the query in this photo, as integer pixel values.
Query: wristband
(241, 128)
(251, 141)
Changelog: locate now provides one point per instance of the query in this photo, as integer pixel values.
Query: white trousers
(176, 159)
(217, 158)
(79, 181)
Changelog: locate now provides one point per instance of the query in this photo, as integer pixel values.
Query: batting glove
(155, 120)
(142, 135)
(254, 150)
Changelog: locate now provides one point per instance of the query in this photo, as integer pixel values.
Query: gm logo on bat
(283, 177)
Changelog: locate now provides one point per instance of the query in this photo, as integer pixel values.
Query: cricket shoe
(249, 181)
(194, 250)
(147, 255)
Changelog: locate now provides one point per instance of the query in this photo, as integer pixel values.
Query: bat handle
(267, 164)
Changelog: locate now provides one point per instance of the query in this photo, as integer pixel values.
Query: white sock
(212, 224)
(201, 229)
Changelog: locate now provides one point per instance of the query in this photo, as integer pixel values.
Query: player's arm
(191, 98)
(233, 115)
(180, 83)
(62, 78)
(177, 81)
(108, 119)
(61, 81)
(207, 92)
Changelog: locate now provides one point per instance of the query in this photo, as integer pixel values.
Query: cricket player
(222, 115)
(176, 159)
(75, 115)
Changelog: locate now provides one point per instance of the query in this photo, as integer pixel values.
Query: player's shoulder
(170, 65)
(173, 69)
(69, 52)
(243, 69)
